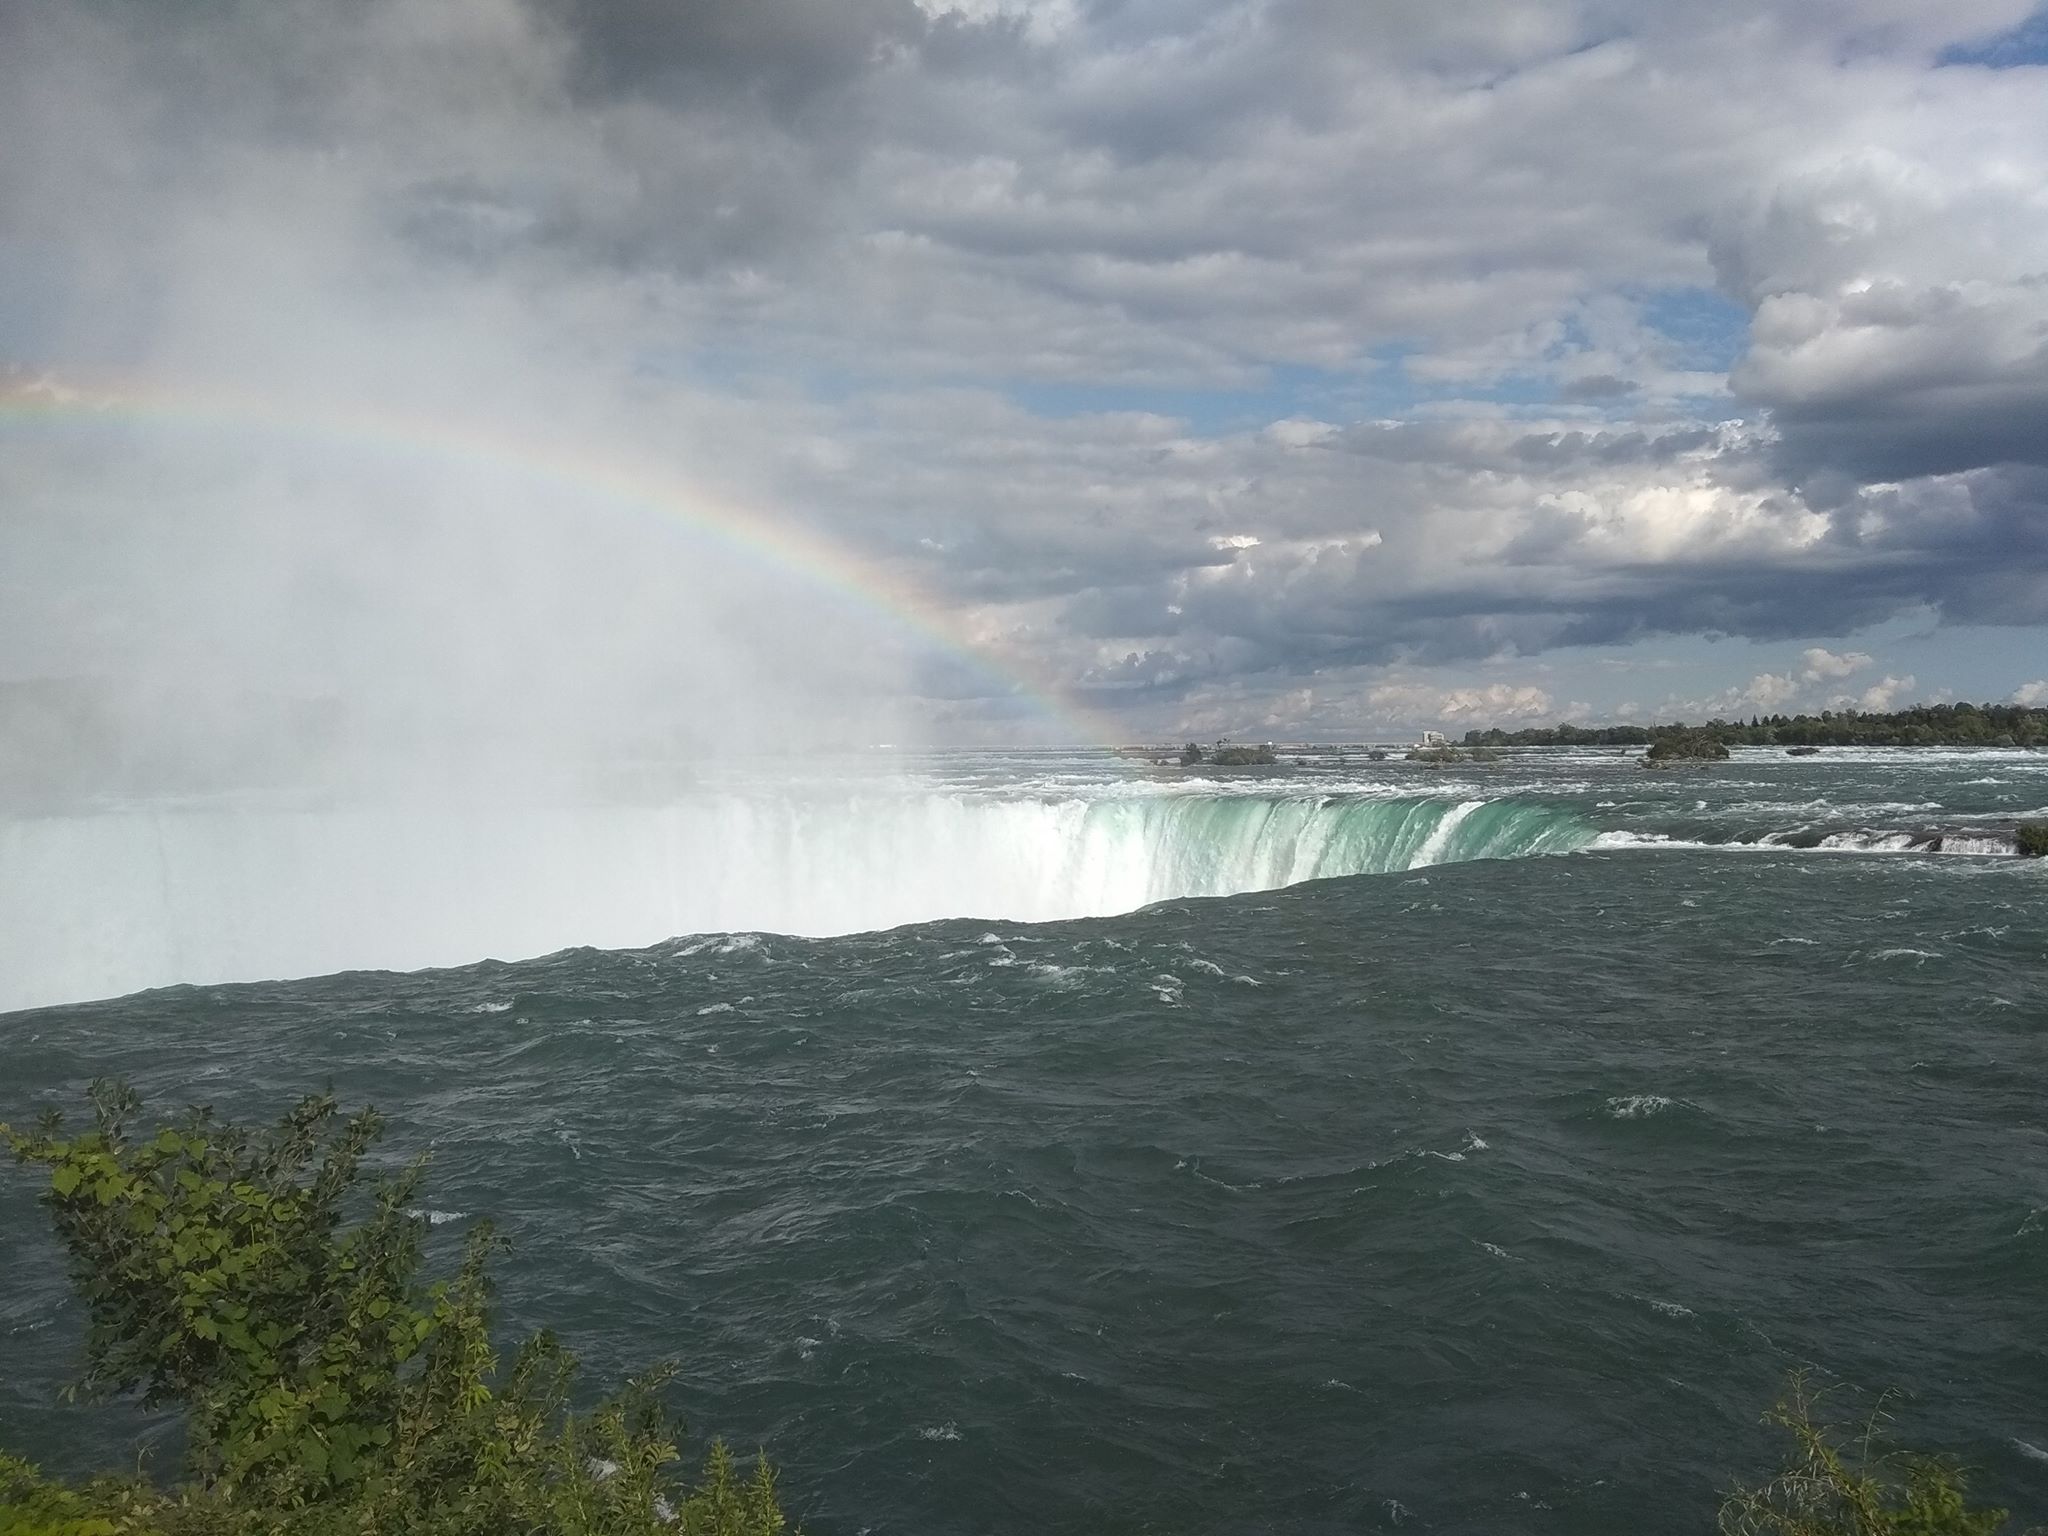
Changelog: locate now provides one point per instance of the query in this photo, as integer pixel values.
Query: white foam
(1619, 840)
(1967, 844)
(1439, 840)
(1869, 842)
(1638, 1106)
(1065, 975)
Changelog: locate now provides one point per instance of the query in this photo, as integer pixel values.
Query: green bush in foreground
(1834, 1486)
(326, 1387)
(2032, 839)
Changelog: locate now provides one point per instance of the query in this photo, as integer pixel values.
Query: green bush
(1686, 746)
(323, 1381)
(2032, 839)
(31, 1507)
(1832, 1485)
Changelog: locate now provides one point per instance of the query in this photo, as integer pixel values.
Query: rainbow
(854, 583)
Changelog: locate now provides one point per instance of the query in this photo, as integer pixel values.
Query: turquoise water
(1488, 1194)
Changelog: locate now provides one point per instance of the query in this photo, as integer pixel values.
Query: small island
(1442, 756)
(1685, 747)
(1223, 755)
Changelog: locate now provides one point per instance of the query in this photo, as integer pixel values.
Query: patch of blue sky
(1275, 393)
(2016, 48)
(1708, 330)
(1284, 391)
(1529, 391)
(1706, 335)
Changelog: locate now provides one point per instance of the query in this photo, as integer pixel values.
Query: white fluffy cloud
(1819, 664)
(1459, 706)
(1887, 694)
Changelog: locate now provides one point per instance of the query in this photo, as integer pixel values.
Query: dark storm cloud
(1597, 386)
(786, 54)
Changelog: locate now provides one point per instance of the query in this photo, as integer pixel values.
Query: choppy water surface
(1493, 1195)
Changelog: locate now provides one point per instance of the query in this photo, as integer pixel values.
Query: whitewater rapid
(110, 902)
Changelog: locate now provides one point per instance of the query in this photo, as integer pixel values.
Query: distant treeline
(1925, 725)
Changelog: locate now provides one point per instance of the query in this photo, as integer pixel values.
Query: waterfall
(100, 904)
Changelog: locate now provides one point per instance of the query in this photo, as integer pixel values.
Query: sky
(1299, 369)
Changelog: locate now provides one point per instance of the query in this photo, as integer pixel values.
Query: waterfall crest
(106, 903)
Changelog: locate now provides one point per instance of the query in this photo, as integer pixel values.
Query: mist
(374, 567)
(274, 518)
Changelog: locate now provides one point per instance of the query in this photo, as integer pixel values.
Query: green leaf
(64, 1179)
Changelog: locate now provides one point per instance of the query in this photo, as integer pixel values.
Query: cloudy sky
(1275, 367)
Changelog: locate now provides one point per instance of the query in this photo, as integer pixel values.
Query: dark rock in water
(2030, 839)
(1802, 751)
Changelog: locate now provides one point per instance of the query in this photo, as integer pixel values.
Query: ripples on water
(1490, 1197)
